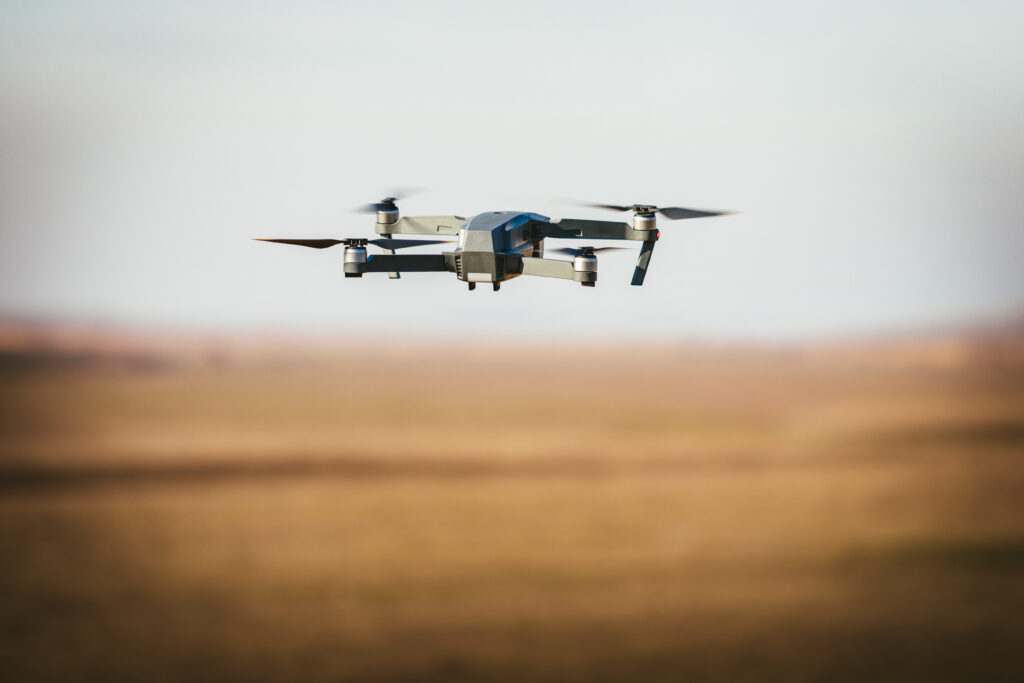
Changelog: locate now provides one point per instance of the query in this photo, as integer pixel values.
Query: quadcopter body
(496, 246)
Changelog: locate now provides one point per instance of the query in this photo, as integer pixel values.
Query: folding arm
(577, 228)
(542, 267)
(386, 263)
(419, 225)
(642, 261)
(422, 225)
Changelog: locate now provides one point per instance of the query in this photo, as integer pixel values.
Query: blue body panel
(498, 231)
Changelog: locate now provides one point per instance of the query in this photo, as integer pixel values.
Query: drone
(496, 246)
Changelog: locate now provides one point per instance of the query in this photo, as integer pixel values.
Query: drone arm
(406, 263)
(419, 225)
(542, 267)
(546, 267)
(422, 225)
(642, 261)
(412, 263)
(579, 228)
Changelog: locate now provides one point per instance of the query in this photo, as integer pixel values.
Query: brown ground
(674, 515)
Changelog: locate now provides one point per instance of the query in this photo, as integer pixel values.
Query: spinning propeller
(584, 251)
(673, 213)
(386, 204)
(385, 243)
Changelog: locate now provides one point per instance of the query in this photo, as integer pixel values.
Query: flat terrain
(602, 515)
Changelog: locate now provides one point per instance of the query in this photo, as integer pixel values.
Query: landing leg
(472, 286)
(497, 286)
(391, 276)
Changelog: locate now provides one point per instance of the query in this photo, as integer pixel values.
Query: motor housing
(645, 221)
(355, 259)
(585, 263)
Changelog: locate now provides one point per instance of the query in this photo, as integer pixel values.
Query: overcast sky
(875, 149)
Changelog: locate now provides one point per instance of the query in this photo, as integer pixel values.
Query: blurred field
(602, 514)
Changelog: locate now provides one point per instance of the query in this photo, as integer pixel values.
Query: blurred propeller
(384, 243)
(584, 251)
(388, 203)
(387, 243)
(315, 244)
(673, 213)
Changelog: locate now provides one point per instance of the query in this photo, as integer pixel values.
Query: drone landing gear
(495, 285)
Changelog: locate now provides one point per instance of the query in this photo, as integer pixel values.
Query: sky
(875, 151)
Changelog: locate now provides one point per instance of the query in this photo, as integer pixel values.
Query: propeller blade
(611, 207)
(575, 251)
(402, 244)
(383, 242)
(372, 208)
(315, 244)
(675, 213)
(388, 203)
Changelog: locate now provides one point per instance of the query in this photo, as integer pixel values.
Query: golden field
(473, 513)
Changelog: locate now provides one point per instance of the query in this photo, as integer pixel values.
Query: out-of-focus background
(793, 454)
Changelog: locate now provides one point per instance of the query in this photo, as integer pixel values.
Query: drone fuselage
(488, 240)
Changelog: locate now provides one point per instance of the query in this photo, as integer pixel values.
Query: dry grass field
(609, 514)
